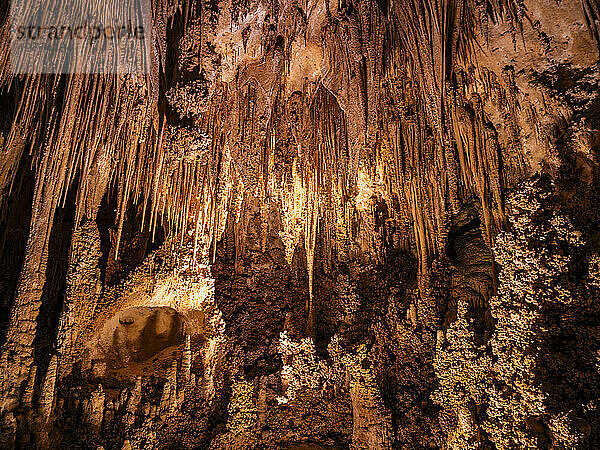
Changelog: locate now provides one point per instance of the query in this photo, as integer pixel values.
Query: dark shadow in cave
(472, 271)
(136, 244)
(256, 301)
(14, 232)
(53, 293)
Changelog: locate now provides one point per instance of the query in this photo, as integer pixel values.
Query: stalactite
(466, 157)
(118, 112)
(310, 238)
(112, 111)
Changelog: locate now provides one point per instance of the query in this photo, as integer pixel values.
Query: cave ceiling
(366, 224)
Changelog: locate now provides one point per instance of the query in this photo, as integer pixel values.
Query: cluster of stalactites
(442, 148)
(111, 124)
(87, 129)
(379, 93)
(434, 146)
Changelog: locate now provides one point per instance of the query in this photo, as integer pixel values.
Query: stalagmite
(27, 397)
(94, 409)
(17, 352)
(133, 402)
(168, 401)
(187, 359)
(49, 389)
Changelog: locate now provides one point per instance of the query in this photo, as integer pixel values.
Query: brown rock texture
(312, 224)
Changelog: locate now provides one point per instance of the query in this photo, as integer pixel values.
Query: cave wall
(365, 224)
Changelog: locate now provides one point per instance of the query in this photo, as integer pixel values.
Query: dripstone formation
(313, 224)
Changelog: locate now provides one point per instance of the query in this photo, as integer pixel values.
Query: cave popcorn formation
(309, 224)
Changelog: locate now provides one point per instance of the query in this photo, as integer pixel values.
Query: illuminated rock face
(312, 224)
(135, 335)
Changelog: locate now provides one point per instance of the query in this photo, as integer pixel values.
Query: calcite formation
(366, 224)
